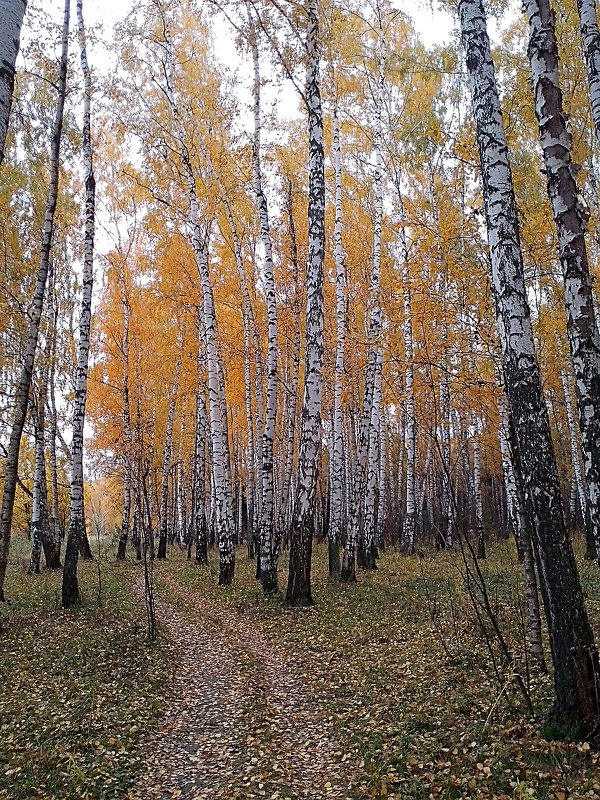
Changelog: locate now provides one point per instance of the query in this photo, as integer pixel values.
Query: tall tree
(590, 36)
(299, 588)
(35, 312)
(77, 534)
(336, 521)
(11, 14)
(268, 548)
(570, 218)
(574, 654)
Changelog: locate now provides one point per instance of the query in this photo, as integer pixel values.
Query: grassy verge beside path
(79, 690)
(401, 665)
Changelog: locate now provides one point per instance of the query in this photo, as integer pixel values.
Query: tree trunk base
(268, 579)
(335, 566)
(226, 572)
(348, 573)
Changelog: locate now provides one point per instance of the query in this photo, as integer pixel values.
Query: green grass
(80, 689)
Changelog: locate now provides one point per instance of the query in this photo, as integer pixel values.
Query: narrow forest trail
(240, 724)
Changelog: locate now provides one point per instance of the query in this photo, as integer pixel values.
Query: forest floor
(389, 688)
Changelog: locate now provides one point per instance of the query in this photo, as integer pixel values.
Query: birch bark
(477, 495)
(217, 413)
(582, 494)
(199, 471)
(166, 465)
(35, 313)
(268, 545)
(574, 653)
(285, 506)
(590, 37)
(354, 539)
(336, 520)
(11, 14)
(77, 533)
(40, 529)
(408, 528)
(571, 221)
(372, 496)
(127, 439)
(299, 588)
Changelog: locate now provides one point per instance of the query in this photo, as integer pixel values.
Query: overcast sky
(433, 26)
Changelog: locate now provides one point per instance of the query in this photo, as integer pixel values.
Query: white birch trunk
(199, 518)
(11, 15)
(286, 505)
(223, 512)
(590, 37)
(408, 528)
(127, 437)
(574, 654)
(571, 222)
(166, 465)
(373, 486)
(477, 494)
(355, 539)
(299, 589)
(336, 516)
(268, 545)
(574, 446)
(40, 528)
(77, 533)
(35, 314)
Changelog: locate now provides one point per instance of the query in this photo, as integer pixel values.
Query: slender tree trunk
(127, 439)
(337, 521)
(77, 534)
(199, 479)
(302, 527)
(574, 654)
(166, 465)
(285, 506)
(218, 419)
(477, 495)
(35, 314)
(373, 494)
(39, 503)
(11, 14)
(581, 489)
(268, 547)
(408, 530)
(571, 219)
(355, 537)
(250, 454)
(590, 37)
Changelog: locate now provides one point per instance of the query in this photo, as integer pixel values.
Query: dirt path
(242, 724)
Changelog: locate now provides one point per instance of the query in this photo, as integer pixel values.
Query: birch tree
(374, 325)
(166, 464)
(336, 490)
(77, 533)
(35, 312)
(11, 14)
(574, 654)
(299, 588)
(570, 218)
(590, 37)
(268, 563)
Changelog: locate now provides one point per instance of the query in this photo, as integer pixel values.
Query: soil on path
(241, 724)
